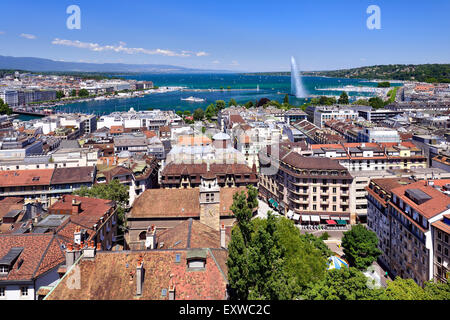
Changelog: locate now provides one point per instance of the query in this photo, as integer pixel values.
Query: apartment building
(402, 212)
(190, 175)
(321, 114)
(44, 185)
(441, 235)
(251, 138)
(313, 190)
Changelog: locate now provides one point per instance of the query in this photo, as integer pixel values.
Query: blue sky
(245, 35)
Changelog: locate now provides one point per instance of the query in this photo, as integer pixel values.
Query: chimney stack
(70, 256)
(222, 236)
(150, 242)
(77, 235)
(89, 251)
(139, 275)
(77, 252)
(171, 288)
(76, 207)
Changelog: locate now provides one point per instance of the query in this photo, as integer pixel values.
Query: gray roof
(12, 214)
(11, 256)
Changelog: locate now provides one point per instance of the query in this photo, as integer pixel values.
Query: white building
(324, 114)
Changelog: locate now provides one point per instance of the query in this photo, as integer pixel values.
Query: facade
(324, 114)
(402, 213)
(379, 134)
(309, 190)
(190, 175)
(441, 235)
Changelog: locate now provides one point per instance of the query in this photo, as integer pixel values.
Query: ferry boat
(193, 99)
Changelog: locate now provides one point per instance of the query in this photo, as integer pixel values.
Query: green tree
(342, 284)
(179, 113)
(437, 291)
(404, 289)
(232, 102)
(343, 99)
(73, 93)
(286, 99)
(4, 108)
(83, 93)
(186, 113)
(376, 102)
(360, 247)
(220, 105)
(199, 114)
(384, 84)
(60, 94)
(249, 104)
(211, 111)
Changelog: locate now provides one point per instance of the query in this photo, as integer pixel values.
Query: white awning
(305, 217)
(345, 218)
(325, 217)
(290, 214)
(296, 217)
(315, 218)
(335, 218)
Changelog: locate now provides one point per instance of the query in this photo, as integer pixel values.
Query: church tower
(210, 201)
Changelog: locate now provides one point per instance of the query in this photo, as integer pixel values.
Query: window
(177, 258)
(2, 292)
(334, 208)
(3, 269)
(24, 291)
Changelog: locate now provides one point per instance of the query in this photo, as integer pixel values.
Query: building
(379, 135)
(171, 274)
(134, 144)
(191, 175)
(378, 115)
(80, 220)
(28, 262)
(402, 213)
(321, 114)
(308, 189)
(166, 208)
(441, 235)
(44, 185)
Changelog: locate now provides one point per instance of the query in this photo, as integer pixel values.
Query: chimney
(99, 246)
(89, 251)
(139, 275)
(70, 256)
(150, 242)
(171, 288)
(77, 252)
(222, 236)
(77, 235)
(76, 207)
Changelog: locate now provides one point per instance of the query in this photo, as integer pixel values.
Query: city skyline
(232, 36)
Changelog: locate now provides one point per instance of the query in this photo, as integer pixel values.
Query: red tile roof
(107, 277)
(41, 253)
(36, 177)
(438, 203)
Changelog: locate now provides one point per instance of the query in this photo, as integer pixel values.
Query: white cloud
(2, 32)
(124, 49)
(362, 59)
(202, 54)
(28, 36)
(216, 62)
(234, 63)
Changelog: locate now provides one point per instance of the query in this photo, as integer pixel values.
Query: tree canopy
(269, 258)
(4, 108)
(360, 247)
(199, 114)
(343, 99)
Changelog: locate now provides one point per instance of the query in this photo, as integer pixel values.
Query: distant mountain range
(47, 65)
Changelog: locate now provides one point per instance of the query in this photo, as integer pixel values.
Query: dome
(221, 136)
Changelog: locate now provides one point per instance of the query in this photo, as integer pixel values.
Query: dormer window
(4, 270)
(196, 260)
